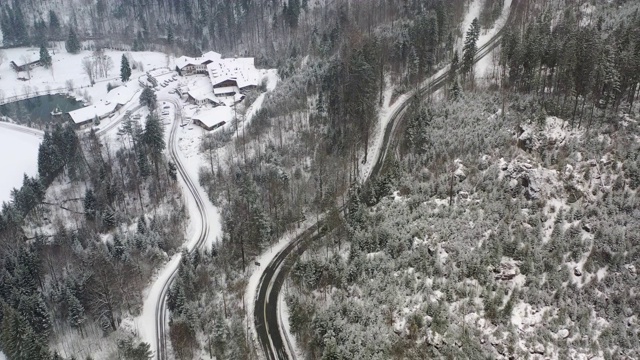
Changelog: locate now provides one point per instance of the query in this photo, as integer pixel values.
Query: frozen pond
(38, 109)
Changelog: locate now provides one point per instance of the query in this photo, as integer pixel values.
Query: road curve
(267, 321)
(161, 309)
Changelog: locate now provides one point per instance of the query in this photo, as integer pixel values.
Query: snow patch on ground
(19, 146)
(377, 137)
(485, 65)
(473, 11)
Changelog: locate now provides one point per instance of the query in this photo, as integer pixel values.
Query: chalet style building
(229, 77)
(25, 67)
(186, 65)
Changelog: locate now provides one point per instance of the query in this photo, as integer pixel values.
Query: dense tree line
(206, 304)
(578, 67)
(361, 284)
(271, 29)
(57, 153)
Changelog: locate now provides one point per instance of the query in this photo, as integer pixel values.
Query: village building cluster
(222, 83)
(228, 78)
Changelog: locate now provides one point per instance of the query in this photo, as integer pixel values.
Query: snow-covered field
(20, 156)
(67, 67)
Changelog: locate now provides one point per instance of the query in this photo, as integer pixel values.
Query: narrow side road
(155, 309)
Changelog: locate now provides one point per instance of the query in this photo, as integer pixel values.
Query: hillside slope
(504, 237)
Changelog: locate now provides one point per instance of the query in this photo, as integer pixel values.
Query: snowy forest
(74, 281)
(503, 223)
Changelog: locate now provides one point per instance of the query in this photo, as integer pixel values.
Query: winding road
(266, 314)
(165, 282)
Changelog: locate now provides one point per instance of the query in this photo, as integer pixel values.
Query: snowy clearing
(67, 67)
(20, 146)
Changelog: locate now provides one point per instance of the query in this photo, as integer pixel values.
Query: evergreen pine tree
(455, 64)
(5, 25)
(73, 44)
(125, 69)
(45, 58)
(143, 164)
(138, 43)
(41, 34)
(108, 218)
(455, 90)
(470, 48)
(173, 171)
(90, 205)
(142, 225)
(118, 247)
(54, 24)
(170, 36)
(148, 98)
(220, 333)
(19, 25)
(154, 139)
(76, 311)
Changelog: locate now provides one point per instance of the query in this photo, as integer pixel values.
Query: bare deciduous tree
(87, 67)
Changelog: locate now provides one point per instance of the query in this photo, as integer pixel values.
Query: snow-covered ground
(188, 140)
(67, 67)
(485, 65)
(19, 146)
(473, 11)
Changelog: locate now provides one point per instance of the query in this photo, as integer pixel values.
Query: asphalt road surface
(266, 316)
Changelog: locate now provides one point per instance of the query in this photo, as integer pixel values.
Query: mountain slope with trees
(102, 213)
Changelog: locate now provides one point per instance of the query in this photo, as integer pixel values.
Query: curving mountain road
(267, 321)
(161, 311)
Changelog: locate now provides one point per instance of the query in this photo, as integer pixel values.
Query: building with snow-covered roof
(238, 72)
(111, 103)
(227, 79)
(200, 97)
(213, 118)
(186, 65)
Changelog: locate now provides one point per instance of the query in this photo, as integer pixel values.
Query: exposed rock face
(506, 271)
(523, 178)
(563, 333)
(537, 349)
(577, 272)
(526, 140)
